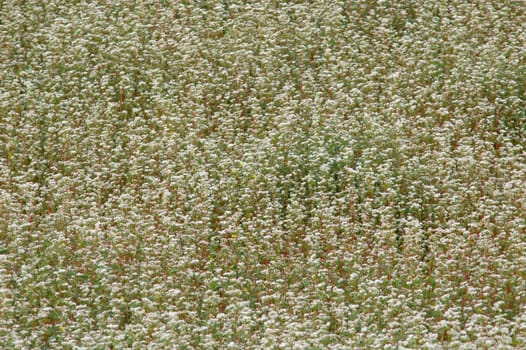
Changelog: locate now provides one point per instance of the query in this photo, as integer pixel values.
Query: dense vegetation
(262, 174)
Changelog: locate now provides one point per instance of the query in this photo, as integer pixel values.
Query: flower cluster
(262, 174)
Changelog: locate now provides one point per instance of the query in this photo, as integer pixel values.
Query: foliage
(262, 174)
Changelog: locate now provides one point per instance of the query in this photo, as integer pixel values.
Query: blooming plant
(262, 174)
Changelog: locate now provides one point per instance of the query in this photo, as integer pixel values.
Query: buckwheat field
(263, 174)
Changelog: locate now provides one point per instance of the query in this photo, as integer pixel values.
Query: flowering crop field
(263, 174)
